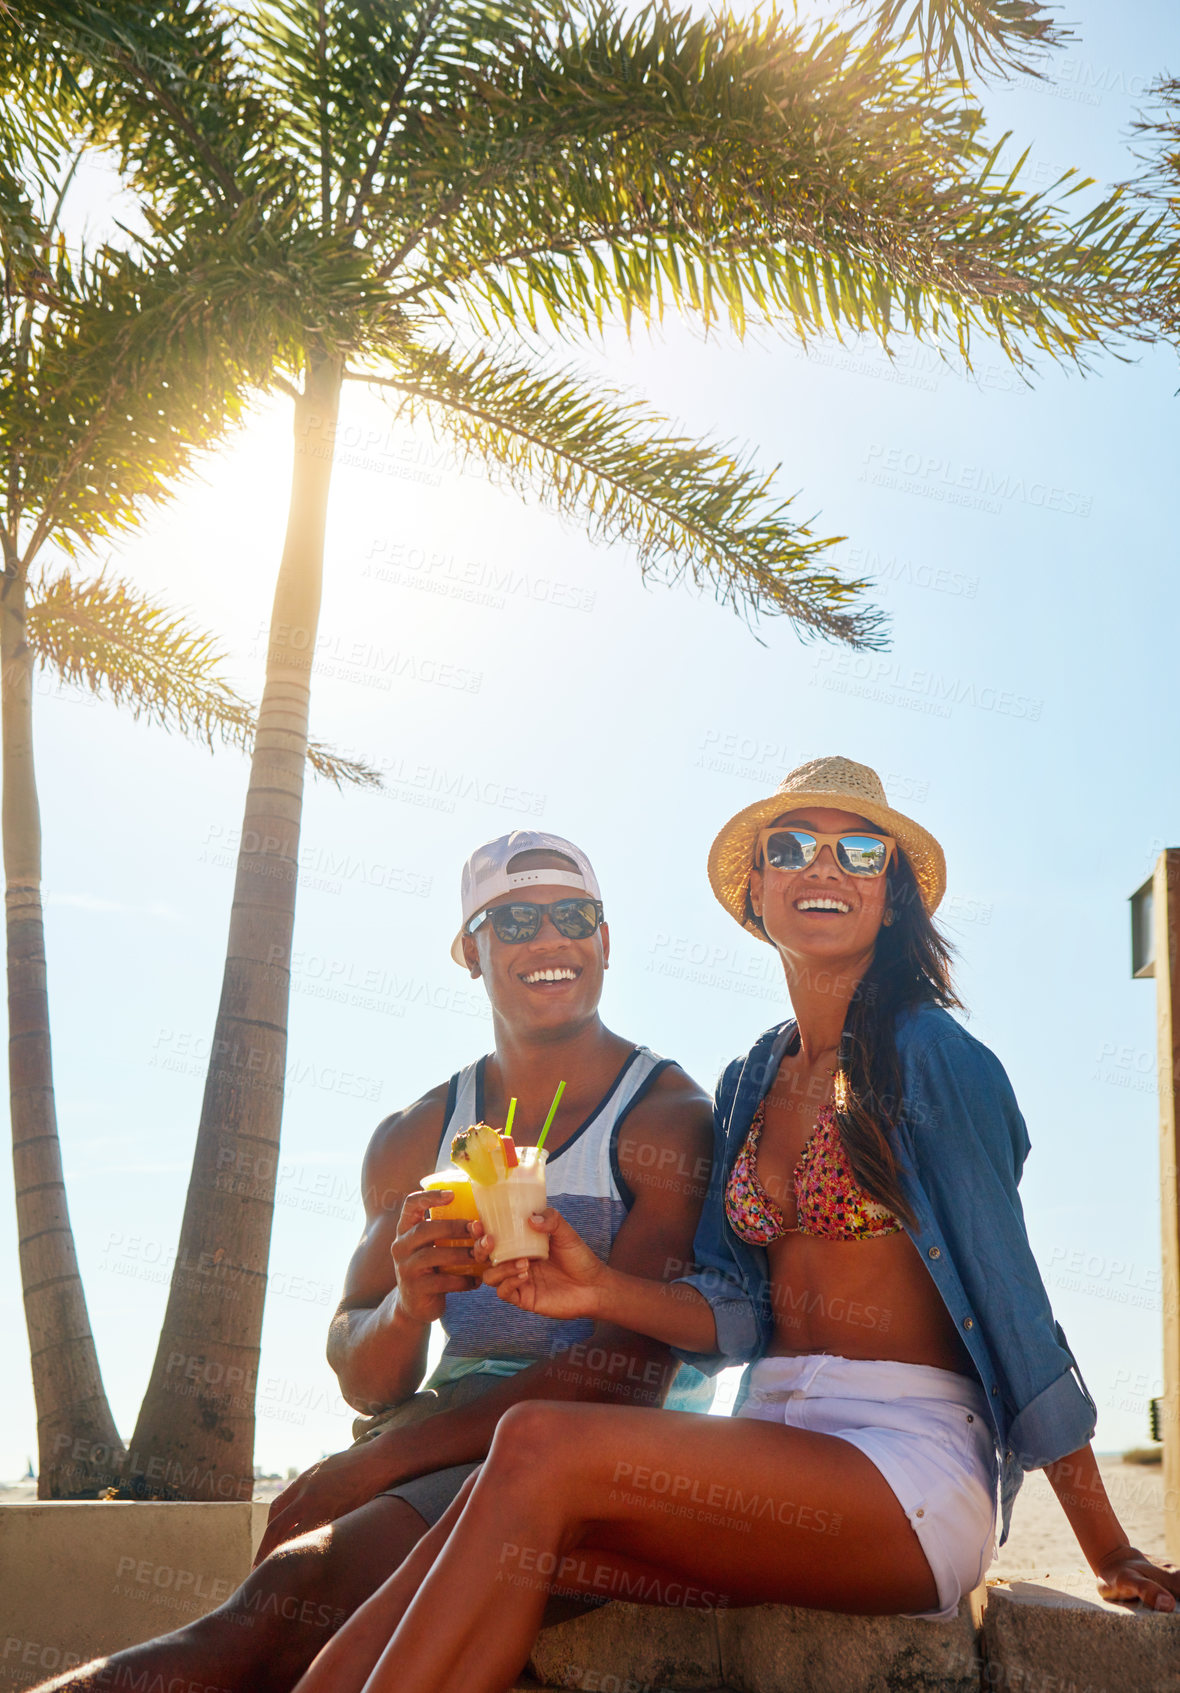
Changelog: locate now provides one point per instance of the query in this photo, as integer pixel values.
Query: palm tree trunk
(195, 1434)
(79, 1450)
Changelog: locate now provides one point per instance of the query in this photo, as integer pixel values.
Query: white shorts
(927, 1430)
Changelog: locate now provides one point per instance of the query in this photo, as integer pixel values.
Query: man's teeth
(821, 905)
(551, 976)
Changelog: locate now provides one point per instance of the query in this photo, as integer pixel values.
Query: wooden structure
(1155, 952)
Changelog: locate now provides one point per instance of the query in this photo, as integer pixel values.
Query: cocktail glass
(460, 1208)
(505, 1207)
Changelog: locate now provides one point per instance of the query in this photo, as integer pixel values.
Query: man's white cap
(486, 875)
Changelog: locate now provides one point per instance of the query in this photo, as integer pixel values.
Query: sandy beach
(1042, 1542)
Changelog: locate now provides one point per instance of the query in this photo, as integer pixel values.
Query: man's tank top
(583, 1181)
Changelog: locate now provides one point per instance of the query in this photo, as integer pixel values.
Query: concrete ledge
(622, 1648)
(775, 1647)
(81, 1579)
(626, 1648)
(1045, 1634)
(1056, 1635)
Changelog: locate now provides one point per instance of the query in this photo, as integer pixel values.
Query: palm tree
(429, 187)
(91, 431)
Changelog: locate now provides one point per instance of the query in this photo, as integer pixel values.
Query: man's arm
(396, 1284)
(664, 1156)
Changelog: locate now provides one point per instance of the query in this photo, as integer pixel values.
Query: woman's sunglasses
(521, 919)
(794, 849)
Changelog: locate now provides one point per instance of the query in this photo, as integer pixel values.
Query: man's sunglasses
(521, 919)
(794, 849)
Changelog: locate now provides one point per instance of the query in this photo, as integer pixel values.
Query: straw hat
(842, 785)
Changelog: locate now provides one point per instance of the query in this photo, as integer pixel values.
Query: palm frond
(160, 82)
(563, 161)
(983, 35)
(336, 75)
(146, 360)
(107, 637)
(36, 131)
(347, 78)
(345, 772)
(20, 229)
(738, 167)
(1157, 134)
(532, 162)
(688, 509)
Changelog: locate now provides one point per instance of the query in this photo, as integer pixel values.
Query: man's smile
(550, 974)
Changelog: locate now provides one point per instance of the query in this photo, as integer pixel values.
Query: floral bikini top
(828, 1201)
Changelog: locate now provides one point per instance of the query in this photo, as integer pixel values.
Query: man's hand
(566, 1284)
(330, 1489)
(425, 1265)
(1126, 1575)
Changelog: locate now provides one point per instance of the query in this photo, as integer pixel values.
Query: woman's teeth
(550, 976)
(822, 905)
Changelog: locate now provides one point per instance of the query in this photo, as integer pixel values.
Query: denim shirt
(960, 1146)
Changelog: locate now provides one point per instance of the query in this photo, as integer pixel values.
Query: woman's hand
(569, 1283)
(1127, 1575)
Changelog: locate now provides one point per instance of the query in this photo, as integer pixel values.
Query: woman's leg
(682, 1510)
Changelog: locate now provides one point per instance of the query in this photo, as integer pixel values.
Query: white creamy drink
(505, 1208)
(507, 1184)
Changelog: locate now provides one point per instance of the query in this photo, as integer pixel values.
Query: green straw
(552, 1114)
(511, 1115)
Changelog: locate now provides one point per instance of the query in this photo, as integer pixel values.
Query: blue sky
(506, 673)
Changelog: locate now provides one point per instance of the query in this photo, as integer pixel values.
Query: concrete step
(626, 1648)
(79, 1580)
(1056, 1625)
(1047, 1632)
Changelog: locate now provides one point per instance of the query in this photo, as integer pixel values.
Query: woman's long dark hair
(911, 966)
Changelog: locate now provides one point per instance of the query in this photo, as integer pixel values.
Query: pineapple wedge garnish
(480, 1151)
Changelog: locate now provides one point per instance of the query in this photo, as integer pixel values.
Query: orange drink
(459, 1209)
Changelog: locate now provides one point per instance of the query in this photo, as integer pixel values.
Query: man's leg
(265, 1635)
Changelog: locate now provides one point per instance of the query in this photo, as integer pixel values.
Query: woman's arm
(669, 1311)
(574, 1282)
(1122, 1570)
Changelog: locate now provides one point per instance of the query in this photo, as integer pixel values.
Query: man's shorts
(428, 1494)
